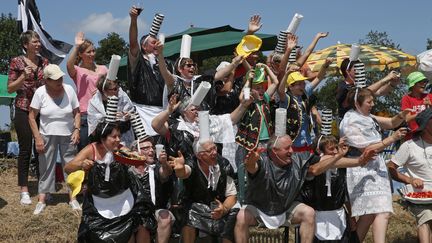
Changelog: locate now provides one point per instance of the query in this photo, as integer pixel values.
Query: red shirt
(34, 81)
(417, 105)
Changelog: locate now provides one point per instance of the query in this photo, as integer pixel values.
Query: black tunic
(96, 228)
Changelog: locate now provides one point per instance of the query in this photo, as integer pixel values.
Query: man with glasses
(209, 197)
(155, 178)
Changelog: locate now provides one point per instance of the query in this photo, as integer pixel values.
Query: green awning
(5, 97)
(206, 43)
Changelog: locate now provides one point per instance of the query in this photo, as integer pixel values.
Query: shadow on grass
(3, 203)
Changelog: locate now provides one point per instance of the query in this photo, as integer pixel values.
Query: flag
(29, 19)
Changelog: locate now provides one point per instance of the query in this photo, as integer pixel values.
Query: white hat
(327, 120)
(113, 67)
(52, 71)
(222, 65)
(138, 127)
(293, 55)
(281, 43)
(157, 22)
(111, 109)
(186, 45)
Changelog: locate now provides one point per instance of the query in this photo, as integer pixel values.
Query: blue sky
(407, 23)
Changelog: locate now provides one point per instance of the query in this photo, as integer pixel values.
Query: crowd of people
(218, 179)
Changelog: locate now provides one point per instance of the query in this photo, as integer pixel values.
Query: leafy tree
(429, 44)
(391, 102)
(113, 44)
(326, 95)
(9, 41)
(379, 38)
(9, 47)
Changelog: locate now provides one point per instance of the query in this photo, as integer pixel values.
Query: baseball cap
(52, 71)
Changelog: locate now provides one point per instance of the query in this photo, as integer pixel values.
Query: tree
(113, 44)
(9, 41)
(391, 102)
(379, 38)
(429, 44)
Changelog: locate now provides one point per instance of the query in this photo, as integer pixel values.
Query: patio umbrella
(375, 58)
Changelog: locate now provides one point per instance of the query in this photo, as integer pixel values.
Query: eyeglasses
(189, 65)
(147, 148)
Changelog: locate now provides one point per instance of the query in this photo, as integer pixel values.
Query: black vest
(146, 85)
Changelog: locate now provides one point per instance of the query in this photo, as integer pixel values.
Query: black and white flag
(29, 19)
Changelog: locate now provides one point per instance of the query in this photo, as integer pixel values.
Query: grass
(58, 223)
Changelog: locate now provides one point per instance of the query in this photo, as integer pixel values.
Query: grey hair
(198, 145)
(274, 141)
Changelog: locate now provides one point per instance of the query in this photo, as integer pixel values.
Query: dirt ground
(58, 222)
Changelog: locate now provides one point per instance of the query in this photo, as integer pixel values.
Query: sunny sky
(407, 23)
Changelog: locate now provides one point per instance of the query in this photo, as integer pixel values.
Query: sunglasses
(189, 65)
(113, 89)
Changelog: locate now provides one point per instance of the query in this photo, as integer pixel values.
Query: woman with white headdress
(114, 204)
(98, 105)
(369, 186)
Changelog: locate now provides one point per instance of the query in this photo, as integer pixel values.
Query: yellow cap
(248, 45)
(295, 77)
(75, 180)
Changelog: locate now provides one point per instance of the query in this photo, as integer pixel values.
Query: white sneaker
(39, 208)
(25, 198)
(75, 205)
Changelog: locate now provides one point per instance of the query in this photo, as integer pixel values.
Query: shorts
(422, 213)
(289, 214)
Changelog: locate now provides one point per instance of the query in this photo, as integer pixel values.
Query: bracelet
(393, 86)
(77, 128)
(385, 145)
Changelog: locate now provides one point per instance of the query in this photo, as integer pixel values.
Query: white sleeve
(230, 189)
(36, 102)
(402, 155)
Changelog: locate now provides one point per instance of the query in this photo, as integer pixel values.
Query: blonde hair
(81, 49)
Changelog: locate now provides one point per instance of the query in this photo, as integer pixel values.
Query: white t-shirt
(55, 119)
(411, 155)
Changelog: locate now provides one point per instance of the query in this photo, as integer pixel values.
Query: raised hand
(292, 41)
(79, 38)
(173, 104)
(322, 34)
(254, 24)
(177, 163)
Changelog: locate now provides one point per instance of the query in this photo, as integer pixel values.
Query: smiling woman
(85, 74)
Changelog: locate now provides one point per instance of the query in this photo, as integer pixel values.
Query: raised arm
(222, 73)
(237, 114)
(166, 74)
(301, 61)
(385, 85)
(282, 84)
(390, 123)
(254, 24)
(250, 162)
(70, 65)
(181, 170)
(321, 73)
(160, 122)
(133, 32)
(291, 43)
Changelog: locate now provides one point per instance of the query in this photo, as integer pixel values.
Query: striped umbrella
(375, 58)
